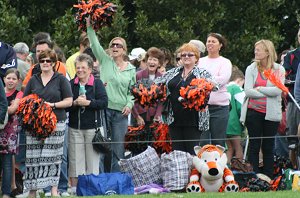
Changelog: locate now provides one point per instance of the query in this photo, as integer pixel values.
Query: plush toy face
(210, 163)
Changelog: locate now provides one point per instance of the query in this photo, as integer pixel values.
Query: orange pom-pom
(196, 95)
(36, 116)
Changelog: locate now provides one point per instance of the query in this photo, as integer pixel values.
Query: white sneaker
(292, 146)
(24, 195)
(65, 194)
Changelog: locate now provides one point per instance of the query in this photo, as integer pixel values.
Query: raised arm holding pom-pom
(118, 76)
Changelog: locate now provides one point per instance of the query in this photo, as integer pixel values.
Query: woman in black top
(83, 159)
(185, 125)
(44, 157)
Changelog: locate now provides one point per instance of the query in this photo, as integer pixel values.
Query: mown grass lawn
(285, 194)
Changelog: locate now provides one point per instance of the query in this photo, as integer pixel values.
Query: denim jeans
(20, 157)
(6, 163)
(118, 125)
(281, 146)
(63, 178)
(217, 126)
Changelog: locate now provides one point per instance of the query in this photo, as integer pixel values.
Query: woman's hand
(82, 101)
(126, 111)
(88, 21)
(51, 104)
(140, 121)
(157, 119)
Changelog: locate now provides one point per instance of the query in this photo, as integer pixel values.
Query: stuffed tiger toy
(210, 173)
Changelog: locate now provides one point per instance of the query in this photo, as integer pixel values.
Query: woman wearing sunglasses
(118, 76)
(185, 125)
(218, 103)
(44, 157)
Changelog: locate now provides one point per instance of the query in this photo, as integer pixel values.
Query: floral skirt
(9, 140)
(43, 159)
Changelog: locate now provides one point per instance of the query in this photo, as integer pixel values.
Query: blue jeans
(63, 178)
(20, 157)
(217, 126)
(281, 146)
(6, 163)
(118, 124)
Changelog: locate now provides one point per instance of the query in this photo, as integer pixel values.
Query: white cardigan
(273, 94)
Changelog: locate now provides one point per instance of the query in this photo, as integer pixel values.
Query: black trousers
(262, 135)
(184, 138)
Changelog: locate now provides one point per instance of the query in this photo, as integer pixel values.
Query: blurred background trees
(161, 23)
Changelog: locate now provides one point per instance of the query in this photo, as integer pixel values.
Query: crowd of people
(91, 88)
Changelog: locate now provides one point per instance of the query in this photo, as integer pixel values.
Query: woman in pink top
(218, 104)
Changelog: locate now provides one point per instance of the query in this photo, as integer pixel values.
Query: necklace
(184, 76)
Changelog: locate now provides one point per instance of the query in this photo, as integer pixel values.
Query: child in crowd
(234, 128)
(9, 135)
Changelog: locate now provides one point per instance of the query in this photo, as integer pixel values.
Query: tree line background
(161, 23)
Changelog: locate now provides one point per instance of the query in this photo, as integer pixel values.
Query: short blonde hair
(191, 48)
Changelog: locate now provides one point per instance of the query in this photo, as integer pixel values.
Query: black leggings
(259, 127)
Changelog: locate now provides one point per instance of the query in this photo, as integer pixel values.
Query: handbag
(240, 165)
(101, 144)
(105, 184)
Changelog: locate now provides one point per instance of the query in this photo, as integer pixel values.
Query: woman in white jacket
(261, 110)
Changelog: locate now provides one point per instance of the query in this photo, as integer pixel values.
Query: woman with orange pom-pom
(145, 115)
(44, 156)
(118, 75)
(185, 124)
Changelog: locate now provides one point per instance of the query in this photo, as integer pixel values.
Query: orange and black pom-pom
(36, 116)
(148, 95)
(136, 139)
(162, 138)
(196, 95)
(101, 13)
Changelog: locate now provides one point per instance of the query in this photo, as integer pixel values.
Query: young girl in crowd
(234, 127)
(9, 135)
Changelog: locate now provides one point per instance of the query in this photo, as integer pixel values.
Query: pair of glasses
(45, 61)
(187, 55)
(117, 45)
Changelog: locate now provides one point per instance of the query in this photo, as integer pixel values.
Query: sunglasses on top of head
(117, 45)
(45, 61)
(187, 55)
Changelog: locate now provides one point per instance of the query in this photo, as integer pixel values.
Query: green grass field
(285, 194)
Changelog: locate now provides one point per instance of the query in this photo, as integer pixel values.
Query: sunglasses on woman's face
(187, 55)
(117, 45)
(45, 61)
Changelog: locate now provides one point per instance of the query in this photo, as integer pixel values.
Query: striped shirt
(259, 104)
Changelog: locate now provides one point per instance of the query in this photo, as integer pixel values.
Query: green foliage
(241, 22)
(182, 21)
(66, 35)
(161, 23)
(14, 28)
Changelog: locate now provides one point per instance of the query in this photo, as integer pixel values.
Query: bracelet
(54, 106)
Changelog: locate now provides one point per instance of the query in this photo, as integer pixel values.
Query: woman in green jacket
(118, 76)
